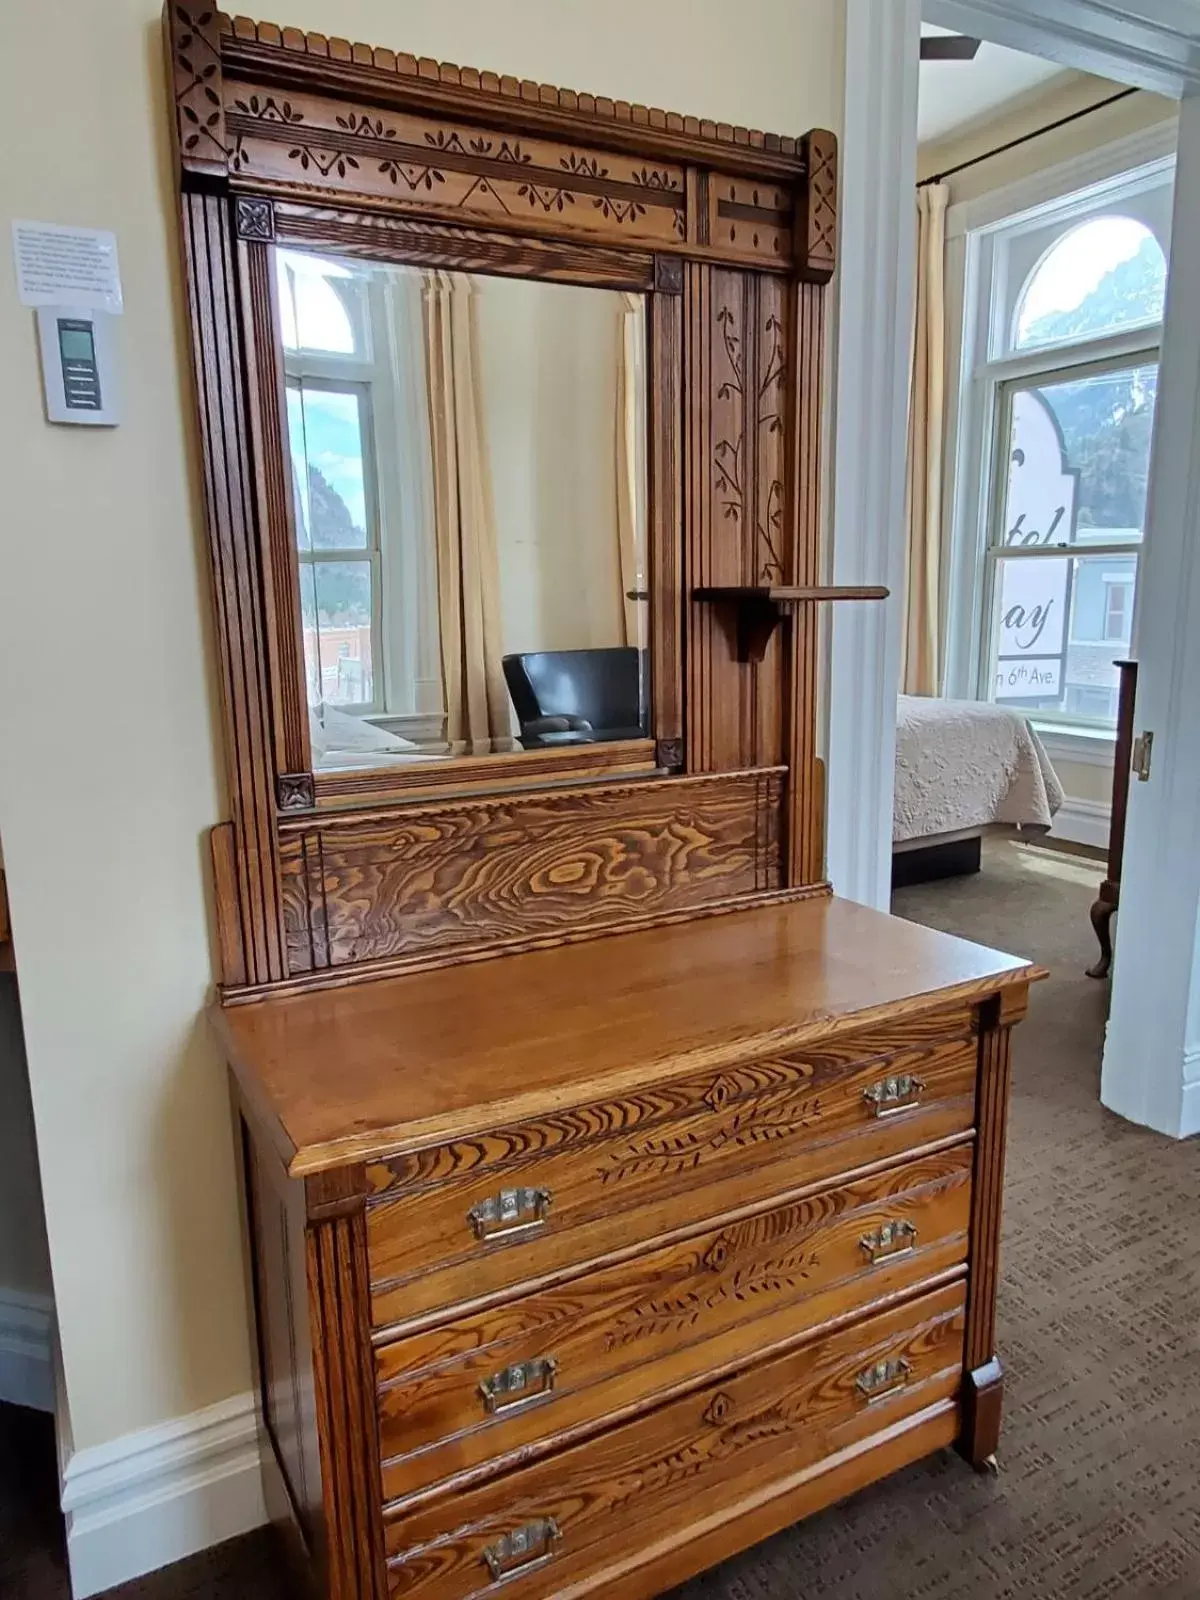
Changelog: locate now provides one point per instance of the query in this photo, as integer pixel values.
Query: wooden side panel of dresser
(673, 1374)
(318, 1429)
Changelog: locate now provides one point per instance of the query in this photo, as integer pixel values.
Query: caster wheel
(989, 1467)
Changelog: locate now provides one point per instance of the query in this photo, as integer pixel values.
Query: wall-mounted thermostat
(79, 365)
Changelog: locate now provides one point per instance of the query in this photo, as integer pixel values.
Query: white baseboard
(1189, 1122)
(1082, 822)
(152, 1497)
(27, 1349)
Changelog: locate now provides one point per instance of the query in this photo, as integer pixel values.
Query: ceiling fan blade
(949, 47)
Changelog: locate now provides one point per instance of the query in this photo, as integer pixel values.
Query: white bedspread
(963, 764)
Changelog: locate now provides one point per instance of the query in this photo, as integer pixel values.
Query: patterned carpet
(1099, 1492)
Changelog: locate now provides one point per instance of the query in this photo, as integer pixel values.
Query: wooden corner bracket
(757, 610)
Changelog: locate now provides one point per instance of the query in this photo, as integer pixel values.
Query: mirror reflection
(468, 461)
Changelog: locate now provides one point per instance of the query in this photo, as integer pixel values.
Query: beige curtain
(922, 660)
(631, 473)
(468, 575)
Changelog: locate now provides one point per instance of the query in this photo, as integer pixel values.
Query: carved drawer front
(572, 1356)
(470, 1219)
(567, 1519)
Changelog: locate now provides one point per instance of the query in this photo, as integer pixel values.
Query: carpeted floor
(1099, 1492)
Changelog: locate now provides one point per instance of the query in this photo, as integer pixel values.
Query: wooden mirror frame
(398, 240)
(292, 137)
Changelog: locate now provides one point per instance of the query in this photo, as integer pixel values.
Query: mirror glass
(468, 462)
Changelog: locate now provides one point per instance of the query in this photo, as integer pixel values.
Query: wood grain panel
(450, 168)
(271, 55)
(806, 843)
(266, 410)
(619, 1172)
(622, 1337)
(984, 1377)
(276, 1223)
(371, 1071)
(241, 607)
(404, 238)
(346, 1417)
(465, 875)
(227, 907)
(192, 35)
(667, 1469)
(755, 219)
(723, 1525)
(665, 499)
(740, 381)
(816, 213)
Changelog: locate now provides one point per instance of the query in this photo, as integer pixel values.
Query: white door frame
(876, 284)
(1152, 1057)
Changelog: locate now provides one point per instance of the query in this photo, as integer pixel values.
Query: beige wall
(24, 1259)
(548, 376)
(1071, 93)
(109, 775)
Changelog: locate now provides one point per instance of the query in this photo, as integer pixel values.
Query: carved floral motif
(361, 141)
(771, 390)
(729, 450)
(196, 65)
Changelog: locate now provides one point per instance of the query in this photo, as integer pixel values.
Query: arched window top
(313, 303)
(1104, 275)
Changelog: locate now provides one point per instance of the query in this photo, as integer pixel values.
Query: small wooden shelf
(761, 608)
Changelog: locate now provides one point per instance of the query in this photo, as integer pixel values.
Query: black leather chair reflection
(576, 696)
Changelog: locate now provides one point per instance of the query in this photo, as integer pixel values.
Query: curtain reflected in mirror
(468, 459)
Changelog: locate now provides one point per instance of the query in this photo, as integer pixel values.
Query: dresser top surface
(368, 1070)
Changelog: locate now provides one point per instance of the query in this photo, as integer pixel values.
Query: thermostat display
(81, 375)
(78, 365)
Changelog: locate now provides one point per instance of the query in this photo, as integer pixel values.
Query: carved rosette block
(668, 274)
(254, 218)
(296, 791)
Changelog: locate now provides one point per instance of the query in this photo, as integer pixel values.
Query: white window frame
(978, 381)
(398, 495)
(311, 372)
(1061, 363)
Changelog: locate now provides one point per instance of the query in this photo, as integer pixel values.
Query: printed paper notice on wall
(67, 266)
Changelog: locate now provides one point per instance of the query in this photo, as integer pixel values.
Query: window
(1117, 608)
(337, 538)
(325, 327)
(1060, 378)
(1096, 278)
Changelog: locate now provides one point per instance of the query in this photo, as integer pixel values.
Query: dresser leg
(982, 1398)
(1102, 915)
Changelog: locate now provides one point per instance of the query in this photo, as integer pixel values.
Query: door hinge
(1143, 747)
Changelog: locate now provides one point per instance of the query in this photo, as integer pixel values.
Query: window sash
(989, 653)
(315, 373)
(1097, 358)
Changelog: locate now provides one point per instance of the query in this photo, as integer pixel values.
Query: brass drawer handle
(510, 1211)
(519, 1385)
(891, 1095)
(890, 1241)
(883, 1379)
(523, 1549)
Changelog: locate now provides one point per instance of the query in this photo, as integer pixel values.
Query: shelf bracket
(758, 609)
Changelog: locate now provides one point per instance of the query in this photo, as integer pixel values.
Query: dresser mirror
(467, 458)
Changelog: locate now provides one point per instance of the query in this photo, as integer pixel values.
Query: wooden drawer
(568, 1518)
(502, 1380)
(467, 1220)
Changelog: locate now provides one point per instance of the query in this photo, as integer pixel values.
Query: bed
(964, 768)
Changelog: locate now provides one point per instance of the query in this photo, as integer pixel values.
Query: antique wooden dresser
(615, 1195)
